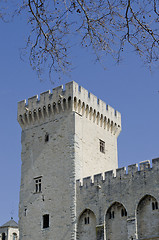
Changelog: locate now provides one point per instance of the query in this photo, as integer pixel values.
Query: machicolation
(73, 97)
(71, 186)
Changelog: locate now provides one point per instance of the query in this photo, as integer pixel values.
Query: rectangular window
(86, 220)
(38, 184)
(102, 146)
(46, 221)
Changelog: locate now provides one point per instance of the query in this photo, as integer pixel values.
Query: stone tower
(67, 135)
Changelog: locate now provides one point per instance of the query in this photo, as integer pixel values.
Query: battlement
(120, 173)
(72, 97)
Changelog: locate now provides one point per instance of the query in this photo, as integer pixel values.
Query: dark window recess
(86, 220)
(47, 137)
(25, 212)
(123, 212)
(154, 205)
(38, 185)
(3, 236)
(111, 215)
(46, 221)
(14, 236)
(102, 146)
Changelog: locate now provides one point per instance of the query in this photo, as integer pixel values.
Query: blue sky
(130, 88)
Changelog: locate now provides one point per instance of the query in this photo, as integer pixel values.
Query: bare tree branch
(105, 26)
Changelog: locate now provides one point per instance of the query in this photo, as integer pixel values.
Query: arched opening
(15, 237)
(69, 102)
(86, 228)
(3, 236)
(148, 218)
(116, 222)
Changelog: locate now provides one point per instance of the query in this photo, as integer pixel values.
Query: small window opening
(111, 215)
(86, 220)
(38, 185)
(46, 221)
(25, 212)
(47, 137)
(123, 212)
(3, 236)
(154, 205)
(14, 236)
(102, 146)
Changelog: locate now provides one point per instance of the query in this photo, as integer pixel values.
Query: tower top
(70, 96)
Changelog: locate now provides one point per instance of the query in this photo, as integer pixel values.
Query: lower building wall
(124, 206)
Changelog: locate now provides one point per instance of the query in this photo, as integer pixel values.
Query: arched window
(116, 222)
(87, 226)
(148, 209)
(15, 237)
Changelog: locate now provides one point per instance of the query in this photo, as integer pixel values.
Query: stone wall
(125, 204)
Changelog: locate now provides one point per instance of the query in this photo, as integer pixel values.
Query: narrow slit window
(102, 146)
(86, 220)
(46, 137)
(123, 212)
(154, 205)
(25, 212)
(46, 221)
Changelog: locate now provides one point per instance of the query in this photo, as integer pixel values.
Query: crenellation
(120, 172)
(83, 94)
(21, 107)
(74, 98)
(74, 137)
(87, 182)
(144, 165)
(98, 178)
(32, 102)
(57, 91)
(92, 100)
(111, 111)
(102, 105)
(109, 175)
(132, 169)
(45, 98)
(155, 163)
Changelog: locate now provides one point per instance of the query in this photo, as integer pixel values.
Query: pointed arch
(86, 228)
(116, 222)
(148, 218)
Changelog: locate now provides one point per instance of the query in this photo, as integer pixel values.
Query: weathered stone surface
(61, 135)
(70, 173)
